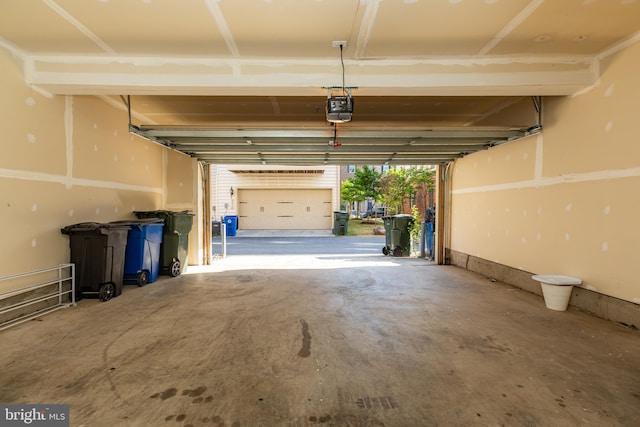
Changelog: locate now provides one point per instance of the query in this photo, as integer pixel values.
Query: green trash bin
(340, 223)
(388, 226)
(175, 239)
(397, 235)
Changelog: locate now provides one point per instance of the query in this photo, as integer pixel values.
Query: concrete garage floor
(325, 340)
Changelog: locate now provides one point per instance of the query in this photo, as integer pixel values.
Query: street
(370, 245)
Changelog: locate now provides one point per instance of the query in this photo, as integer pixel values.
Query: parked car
(373, 213)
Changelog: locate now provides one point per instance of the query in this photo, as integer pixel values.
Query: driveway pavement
(294, 244)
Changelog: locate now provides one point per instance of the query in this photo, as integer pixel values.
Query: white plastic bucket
(556, 297)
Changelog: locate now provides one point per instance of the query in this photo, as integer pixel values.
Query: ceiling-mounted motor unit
(339, 107)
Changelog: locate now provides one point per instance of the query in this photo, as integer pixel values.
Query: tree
(367, 180)
(421, 178)
(398, 185)
(366, 184)
(350, 193)
(391, 189)
(416, 228)
(394, 189)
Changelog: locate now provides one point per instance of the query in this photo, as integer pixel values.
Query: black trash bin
(98, 251)
(215, 228)
(175, 239)
(340, 223)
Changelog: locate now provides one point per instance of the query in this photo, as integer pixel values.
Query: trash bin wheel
(107, 291)
(174, 269)
(143, 278)
(397, 251)
(385, 250)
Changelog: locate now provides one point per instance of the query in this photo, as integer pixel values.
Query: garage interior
(526, 108)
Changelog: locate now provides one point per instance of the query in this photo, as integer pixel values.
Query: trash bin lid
(84, 226)
(161, 213)
(92, 226)
(141, 222)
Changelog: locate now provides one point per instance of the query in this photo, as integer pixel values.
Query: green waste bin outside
(397, 235)
(388, 226)
(340, 223)
(175, 239)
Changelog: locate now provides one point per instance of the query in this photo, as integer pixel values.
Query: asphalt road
(370, 245)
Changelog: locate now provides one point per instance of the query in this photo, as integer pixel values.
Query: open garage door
(284, 209)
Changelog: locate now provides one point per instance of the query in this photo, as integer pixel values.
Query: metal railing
(31, 301)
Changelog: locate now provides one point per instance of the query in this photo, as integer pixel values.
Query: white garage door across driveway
(284, 209)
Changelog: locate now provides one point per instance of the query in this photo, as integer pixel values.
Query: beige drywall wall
(565, 201)
(182, 194)
(71, 159)
(181, 173)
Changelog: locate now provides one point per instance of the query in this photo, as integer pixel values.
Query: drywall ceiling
(434, 79)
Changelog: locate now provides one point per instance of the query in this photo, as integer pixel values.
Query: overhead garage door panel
(284, 209)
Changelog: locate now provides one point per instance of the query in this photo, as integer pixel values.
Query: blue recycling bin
(142, 256)
(429, 240)
(232, 224)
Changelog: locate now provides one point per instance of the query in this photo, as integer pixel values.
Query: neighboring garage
(284, 209)
(268, 197)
